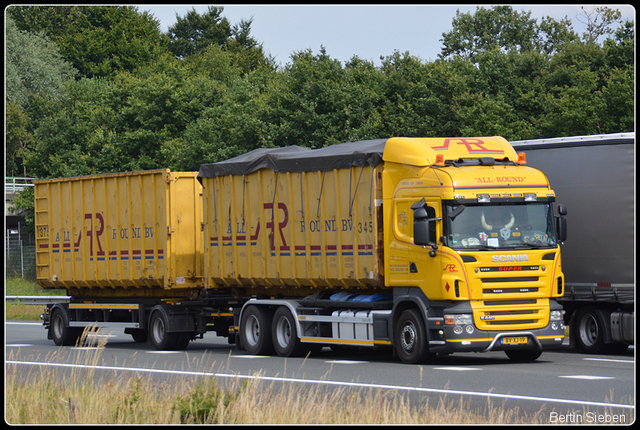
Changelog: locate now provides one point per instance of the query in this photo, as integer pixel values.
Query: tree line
(98, 89)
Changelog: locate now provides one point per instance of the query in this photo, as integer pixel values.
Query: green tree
(96, 40)
(194, 33)
(504, 28)
(34, 67)
(598, 22)
(36, 73)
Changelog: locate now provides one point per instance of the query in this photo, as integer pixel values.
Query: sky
(368, 32)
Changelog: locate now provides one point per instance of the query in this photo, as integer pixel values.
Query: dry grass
(54, 395)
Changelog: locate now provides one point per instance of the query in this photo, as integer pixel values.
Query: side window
(431, 213)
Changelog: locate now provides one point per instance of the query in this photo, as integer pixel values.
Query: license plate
(514, 340)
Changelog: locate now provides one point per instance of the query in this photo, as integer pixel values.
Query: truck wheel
(183, 340)
(411, 338)
(285, 338)
(159, 338)
(139, 335)
(523, 355)
(590, 335)
(61, 334)
(255, 330)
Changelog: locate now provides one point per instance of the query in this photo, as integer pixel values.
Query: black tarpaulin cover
(298, 159)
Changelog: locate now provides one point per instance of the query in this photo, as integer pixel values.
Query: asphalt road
(565, 384)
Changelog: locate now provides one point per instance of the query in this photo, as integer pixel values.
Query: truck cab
(474, 239)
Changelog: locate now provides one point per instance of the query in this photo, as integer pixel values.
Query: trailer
(424, 245)
(594, 176)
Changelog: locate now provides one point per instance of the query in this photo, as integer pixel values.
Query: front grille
(510, 302)
(509, 290)
(511, 314)
(510, 279)
(496, 323)
(516, 312)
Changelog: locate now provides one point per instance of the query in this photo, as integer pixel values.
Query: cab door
(425, 271)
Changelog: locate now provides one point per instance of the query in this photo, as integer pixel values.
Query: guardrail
(37, 300)
(13, 184)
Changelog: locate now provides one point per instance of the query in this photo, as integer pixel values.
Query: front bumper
(483, 341)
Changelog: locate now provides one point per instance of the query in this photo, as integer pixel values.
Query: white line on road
(610, 360)
(588, 377)
(459, 369)
(332, 383)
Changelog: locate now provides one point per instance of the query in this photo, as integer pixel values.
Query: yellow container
(270, 230)
(121, 234)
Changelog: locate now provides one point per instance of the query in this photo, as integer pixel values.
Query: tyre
(159, 338)
(411, 339)
(255, 330)
(183, 340)
(285, 338)
(615, 348)
(524, 355)
(590, 330)
(62, 334)
(139, 335)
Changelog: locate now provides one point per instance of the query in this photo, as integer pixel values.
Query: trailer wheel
(159, 338)
(62, 334)
(285, 339)
(411, 338)
(255, 330)
(590, 334)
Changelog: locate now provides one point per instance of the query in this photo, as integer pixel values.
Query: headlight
(555, 316)
(459, 319)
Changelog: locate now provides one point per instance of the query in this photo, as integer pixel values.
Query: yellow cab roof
(421, 152)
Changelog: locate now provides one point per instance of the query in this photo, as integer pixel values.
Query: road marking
(345, 362)
(589, 377)
(19, 345)
(611, 360)
(332, 383)
(165, 352)
(250, 356)
(459, 369)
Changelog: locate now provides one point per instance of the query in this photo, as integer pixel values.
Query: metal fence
(20, 255)
(14, 184)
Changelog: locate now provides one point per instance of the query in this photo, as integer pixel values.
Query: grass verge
(48, 395)
(23, 287)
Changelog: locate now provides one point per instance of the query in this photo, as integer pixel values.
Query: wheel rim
(58, 326)
(283, 332)
(588, 330)
(408, 337)
(252, 331)
(158, 330)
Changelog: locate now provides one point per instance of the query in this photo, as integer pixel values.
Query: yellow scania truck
(425, 245)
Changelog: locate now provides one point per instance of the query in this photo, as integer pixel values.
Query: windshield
(500, 226)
